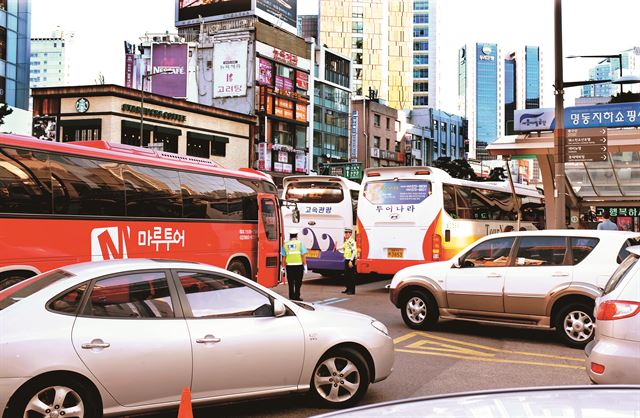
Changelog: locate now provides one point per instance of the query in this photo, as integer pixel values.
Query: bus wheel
(239, 268)
(419, 310)
(11, 278)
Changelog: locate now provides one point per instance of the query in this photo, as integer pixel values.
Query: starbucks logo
(82, 105)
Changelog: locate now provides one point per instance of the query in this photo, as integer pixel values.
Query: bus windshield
(397, 192)
(312, 192)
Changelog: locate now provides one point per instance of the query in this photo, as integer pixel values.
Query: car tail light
(597, 368)
(617, 309)
(423, 173)
(373, 174)
(437, 246)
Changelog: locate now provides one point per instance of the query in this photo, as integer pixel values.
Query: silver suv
(540, 279)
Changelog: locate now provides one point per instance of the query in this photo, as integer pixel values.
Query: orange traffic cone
(185, 410)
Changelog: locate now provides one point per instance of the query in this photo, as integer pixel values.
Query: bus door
(268, 241)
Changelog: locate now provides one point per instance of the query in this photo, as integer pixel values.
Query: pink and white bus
(415, 215)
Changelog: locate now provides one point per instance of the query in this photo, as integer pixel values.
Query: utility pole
(558, 221)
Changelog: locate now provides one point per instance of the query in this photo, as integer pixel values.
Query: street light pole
(558, 221)
(145, 76)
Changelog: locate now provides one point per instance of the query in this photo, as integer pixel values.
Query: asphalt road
(454, 357)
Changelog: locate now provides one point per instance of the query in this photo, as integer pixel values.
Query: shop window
(283, 133)
(301, 138)
(130, 134)
(219, 146)
(198, 147)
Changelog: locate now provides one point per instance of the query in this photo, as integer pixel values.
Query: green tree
(459, 169)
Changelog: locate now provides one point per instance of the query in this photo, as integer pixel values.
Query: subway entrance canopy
(612, 181)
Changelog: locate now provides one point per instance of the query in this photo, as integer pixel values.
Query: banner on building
(45, 128)
(354, 137)
(230, 69)
(282, 13)
(265, 72)
(169, 62)
(264, 156)
(129, 64)
(188, 11)
(301, 163)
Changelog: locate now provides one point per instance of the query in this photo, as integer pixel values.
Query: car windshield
(22, 290)
(620, 273)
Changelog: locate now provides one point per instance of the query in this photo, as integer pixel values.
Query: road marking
(329, 301)
(428, 344)
(336, 301)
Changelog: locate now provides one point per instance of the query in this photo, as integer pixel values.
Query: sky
(589, 27)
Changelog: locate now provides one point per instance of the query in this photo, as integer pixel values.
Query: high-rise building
(491, 86)
(331, 112)
(480, 75)
(377, 35)
(15, 33)
(48, 62)
(308, 27)
(523, 76)
(609, 69)
(424, 53)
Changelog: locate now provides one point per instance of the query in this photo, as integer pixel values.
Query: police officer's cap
(293, 232)
(348, 230)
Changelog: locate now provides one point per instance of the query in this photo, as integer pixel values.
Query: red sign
(302, 80)
(285, 57)
(301, 112)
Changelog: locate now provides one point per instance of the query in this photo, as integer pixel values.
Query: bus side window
(25, 182)
(449, 198)
(463, 201)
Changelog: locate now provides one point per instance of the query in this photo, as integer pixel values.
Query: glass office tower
(15, 37)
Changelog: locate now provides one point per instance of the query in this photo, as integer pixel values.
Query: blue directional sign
(616, 115)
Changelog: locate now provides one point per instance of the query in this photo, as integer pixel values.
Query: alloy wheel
(337, 379)
(578, 326)
(416, 309)
(55, 402)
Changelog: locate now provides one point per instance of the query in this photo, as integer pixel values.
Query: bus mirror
(295, 216)
(279, 309)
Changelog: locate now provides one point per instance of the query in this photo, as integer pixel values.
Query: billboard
(279, 12)
(192, 10)
(230, 69)
(171, 59)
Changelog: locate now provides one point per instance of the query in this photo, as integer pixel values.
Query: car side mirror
(278, 308)
(457, 264)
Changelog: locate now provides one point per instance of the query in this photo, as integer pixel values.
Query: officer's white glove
(305, 268)
(283, 271)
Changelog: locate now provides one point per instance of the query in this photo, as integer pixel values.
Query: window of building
(421, 86)
(420, 59)
(420, 32)
(3, 4)
(131, 296)
(420, 18)
(421, 5)
(421, 73)
(168, 138)
(357, 57)
(356, 12)
(357, 42)
(3, 43)
(283, 133)
(397, 146)
(131, 134)
(376, 120)
(420, 100)
(420, 46)
(3, 90)
(198, 146)
(388, 124)
(388, 143)
(219, 146)
(376, 142)
(356, 27)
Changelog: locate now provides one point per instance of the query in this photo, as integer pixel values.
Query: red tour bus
(67, 203)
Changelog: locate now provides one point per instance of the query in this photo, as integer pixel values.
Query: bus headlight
(380, 327)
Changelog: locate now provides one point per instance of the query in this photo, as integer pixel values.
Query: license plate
(313, 254)
(395, 252)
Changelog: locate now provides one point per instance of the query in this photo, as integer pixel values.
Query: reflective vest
(293, 251)
(349, 248)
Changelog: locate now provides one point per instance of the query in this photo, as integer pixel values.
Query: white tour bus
(327, 205)
(415, 215)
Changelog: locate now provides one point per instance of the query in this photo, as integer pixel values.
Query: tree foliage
(459, 169)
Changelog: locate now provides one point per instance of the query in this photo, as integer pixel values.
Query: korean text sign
(230, 69)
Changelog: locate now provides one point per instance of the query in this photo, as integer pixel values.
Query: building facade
(48, 62)
(523, 78)
(377, 36)
(112, 113)
(424, 53)
(609, 69)
(308, 27)
(15, 35)
(331, 108)
(380, 140)
(251, 67)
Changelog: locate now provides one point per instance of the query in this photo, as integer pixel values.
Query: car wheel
(340, 379)
(576, 325)
(55, 397)
(419, 310)
(238, 268)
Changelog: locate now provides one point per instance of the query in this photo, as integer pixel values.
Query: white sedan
(127, 336)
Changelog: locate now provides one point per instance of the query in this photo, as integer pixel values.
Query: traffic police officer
(294, 258)
(349, 250)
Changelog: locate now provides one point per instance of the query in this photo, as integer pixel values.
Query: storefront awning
(136, 125)
(72, 123)
(167, 131)
(205, 137)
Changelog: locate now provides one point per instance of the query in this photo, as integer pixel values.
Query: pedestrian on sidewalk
(606, 224)
(349, 251)
(295, 259)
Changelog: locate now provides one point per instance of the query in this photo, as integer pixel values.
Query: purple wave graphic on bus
(327, 259)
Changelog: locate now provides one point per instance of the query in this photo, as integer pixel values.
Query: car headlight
(380, 327)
